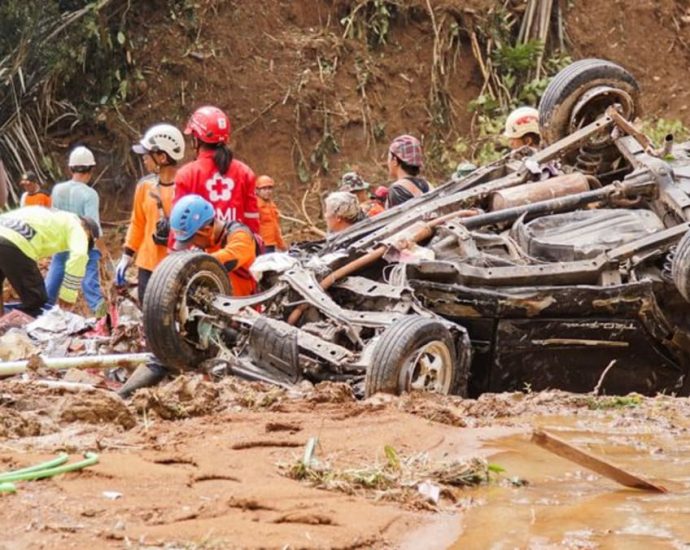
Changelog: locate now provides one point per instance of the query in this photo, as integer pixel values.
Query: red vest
(231, 194)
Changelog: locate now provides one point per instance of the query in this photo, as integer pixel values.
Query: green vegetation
(370, 20)
(398, 477)
(52, 50)
(615, 402)
(657, 130)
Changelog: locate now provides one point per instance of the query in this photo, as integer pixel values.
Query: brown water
(565, 506)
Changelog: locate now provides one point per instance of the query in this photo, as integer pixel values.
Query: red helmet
(209, 124)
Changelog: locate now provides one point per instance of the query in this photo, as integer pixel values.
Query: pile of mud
(31, 408)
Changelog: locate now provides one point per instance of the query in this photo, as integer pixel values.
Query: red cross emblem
(219, 188)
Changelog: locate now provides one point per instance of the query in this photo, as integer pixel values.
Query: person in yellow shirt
(162, 147)
(269, 215)
(33, 233)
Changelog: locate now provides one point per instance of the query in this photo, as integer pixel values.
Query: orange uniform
(269, 224)
(145, 214)
(39, 198)
(236, 250)
(372, 208)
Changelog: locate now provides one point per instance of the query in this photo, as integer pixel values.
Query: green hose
(61, 459)
(89, 460)
(7, 488)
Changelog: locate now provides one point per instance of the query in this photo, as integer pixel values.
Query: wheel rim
(430, 369)
(202, 280)
(594, 103)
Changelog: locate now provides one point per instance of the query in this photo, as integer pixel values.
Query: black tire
(174, 344)
(680, 266)
(402, 343)
(569, 86)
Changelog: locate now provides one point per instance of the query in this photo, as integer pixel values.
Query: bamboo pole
(10, 368)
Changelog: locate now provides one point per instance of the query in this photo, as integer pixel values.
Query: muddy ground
(197, 464)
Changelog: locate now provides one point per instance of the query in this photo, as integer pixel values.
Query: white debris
(56, 322)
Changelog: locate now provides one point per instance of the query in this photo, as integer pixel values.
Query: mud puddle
(565, 506)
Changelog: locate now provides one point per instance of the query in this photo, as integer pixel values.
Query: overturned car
(498, 281)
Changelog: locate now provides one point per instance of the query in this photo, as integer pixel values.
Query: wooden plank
(591, 462)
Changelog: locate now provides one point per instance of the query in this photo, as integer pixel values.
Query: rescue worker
(352, 182)
(161, 148)
(405, 162)
(33, 233)
(269, 215)
(341, 211)
(522, 128)
(224, 181)
(33, 195)
(77, 197)
(196, 224)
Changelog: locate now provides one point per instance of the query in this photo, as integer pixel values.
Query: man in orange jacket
(195, 223)
(162, 147)
(33, 195)
(269, 215)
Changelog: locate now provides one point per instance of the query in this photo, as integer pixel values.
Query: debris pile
(414, 481)
(184, 397)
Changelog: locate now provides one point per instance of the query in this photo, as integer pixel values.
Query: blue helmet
(190, 213)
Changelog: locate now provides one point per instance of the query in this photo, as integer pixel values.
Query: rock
(15, 344)
(95, 407)
(14, 319)
(14, 424)
(331, 392)
(184, 397)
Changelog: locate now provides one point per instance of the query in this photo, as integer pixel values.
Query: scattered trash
(429, 491)
(398, 479)
(112, 495)
(56, 322)
(309, 450)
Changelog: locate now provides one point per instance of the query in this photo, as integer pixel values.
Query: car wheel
(680, 266)
(417, 354)
(581, 93)
(178, 289)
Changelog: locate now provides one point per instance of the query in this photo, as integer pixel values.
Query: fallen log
(565, 450)
(10, 368)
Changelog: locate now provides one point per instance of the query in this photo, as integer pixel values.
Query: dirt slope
(650, 38)
(308, 102)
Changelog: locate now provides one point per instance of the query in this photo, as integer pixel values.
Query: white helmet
(162, 137)
(524, 120)
(81, 156)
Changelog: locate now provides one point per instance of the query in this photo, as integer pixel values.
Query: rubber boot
(143, 377)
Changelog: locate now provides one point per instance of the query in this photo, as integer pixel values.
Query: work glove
(121, 269)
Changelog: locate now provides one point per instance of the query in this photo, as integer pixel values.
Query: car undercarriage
(545, 269)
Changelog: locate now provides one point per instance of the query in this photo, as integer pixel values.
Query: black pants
(24, 276)
(143, 281)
